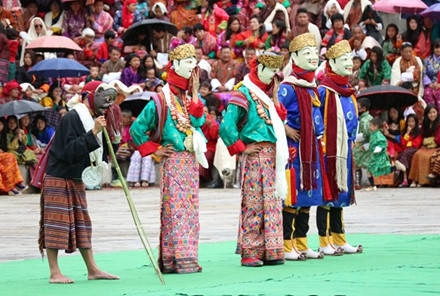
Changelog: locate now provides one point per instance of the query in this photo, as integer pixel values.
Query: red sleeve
(282, 112)
(417, 141)
(148, 148)
(196, 109)
(237, 147)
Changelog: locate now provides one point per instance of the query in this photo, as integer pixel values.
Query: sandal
(137, 184)
(145, 184)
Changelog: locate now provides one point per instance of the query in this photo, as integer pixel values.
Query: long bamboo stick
(134, 213)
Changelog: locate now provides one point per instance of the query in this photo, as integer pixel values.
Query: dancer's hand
(276, 85)
(252, 148)
(292, 133)
(195, 81)
(164, 151)
(100, 123)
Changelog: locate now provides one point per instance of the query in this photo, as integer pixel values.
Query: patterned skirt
(9, 172)
(179, 231)
(420, 165)
(65, 222)
(260, 233)
(435, 163)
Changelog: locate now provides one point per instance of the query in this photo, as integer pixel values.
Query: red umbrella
(53, 43)
(400, 6)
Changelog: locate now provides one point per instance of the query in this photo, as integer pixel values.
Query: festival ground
(399, 229)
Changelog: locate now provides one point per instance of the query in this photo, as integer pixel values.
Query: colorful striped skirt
(65, 222)
(9, 172)
(435, 163)
(179, 231)
(260, 233)
(420, 165)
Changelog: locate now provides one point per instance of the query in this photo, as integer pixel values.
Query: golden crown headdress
(182, 52)
(338, 49)
(301, 41)
(271, 59)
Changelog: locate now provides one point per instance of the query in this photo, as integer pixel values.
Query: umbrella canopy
(136, 102)
(53, 43)
(400, 6)
(20, 107)
(383, 97)
(130, 37)
(432, 11)
(59, 67)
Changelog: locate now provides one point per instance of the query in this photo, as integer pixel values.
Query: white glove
(366, 146)
(377, 149)
(359, 137)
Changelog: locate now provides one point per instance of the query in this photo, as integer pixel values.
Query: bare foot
(60, 279)
(101, 275)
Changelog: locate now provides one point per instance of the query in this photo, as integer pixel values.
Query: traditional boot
(340, 242)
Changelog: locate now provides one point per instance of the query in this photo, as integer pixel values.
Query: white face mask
(185, 66)
(307, 58)
(265, 74)
(342, 65)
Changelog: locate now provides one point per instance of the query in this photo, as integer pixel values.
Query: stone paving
(388, 210)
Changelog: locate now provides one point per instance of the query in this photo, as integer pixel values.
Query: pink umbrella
(400, 6)
(53, 43)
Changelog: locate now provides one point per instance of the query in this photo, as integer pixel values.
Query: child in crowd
(152, 83)
(18, 147)
(13, 44)
(379, 163)
(94, 74)
(130, 74)
(354, 77)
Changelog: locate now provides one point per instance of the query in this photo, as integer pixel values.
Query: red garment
(210, 130)
(213, 19)
(127, 16)
(255, 42)
(407, 141)
(102, 52)
(13, 49)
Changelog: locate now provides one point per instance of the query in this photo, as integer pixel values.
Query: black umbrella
(20, 107)
(136, 102)
(146, 27)
(383, 97)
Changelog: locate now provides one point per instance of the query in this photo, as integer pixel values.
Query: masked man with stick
(253, 126)
(169, 128)
(340, 116)
(65, 221)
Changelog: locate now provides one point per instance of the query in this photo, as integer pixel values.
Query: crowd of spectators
(227, 34)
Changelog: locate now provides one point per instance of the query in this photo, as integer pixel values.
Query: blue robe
(287, 96)
(351, 120)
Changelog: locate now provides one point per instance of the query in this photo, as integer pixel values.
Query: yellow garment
(300, 243)
(47, 102)
(339, 239)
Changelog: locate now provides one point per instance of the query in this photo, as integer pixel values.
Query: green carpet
(390, 265)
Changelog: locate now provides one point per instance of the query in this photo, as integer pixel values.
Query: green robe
(379, 163)
(255, 129)
(372, 78)
(147, 122)
(362, 157)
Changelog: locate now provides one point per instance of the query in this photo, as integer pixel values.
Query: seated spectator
(100, 20)
(277, 37)
(102, 53)
(114, 64)
(204, 65)
(213, 17)
(225, 38)
(274, 10)
(28, 92)
(243, 69)
(185, 35)
(371, 23)
(131, 74)
(410, 142)
(223, 72)
(181, 16)
(11, 180)
(407, 72)
(42, 131)
(11, 92)
(86, 41)
(254, 37)
(361, 44)
(41, 84)
(161, 42)
(152, 83)
(375, 70)
(331, 7)
(30, 11)
(430, 76)
(353, 11)
(354, 77)
(54, 18)
(392, 43)
(159, 11)
(422, 48)
(126, 17)
(205, 41)
(337, 33)
(420, 164)
(94, 74)
(36, 29)
(6, 17)
(75, 20)
(304, 25)
(16, 143)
